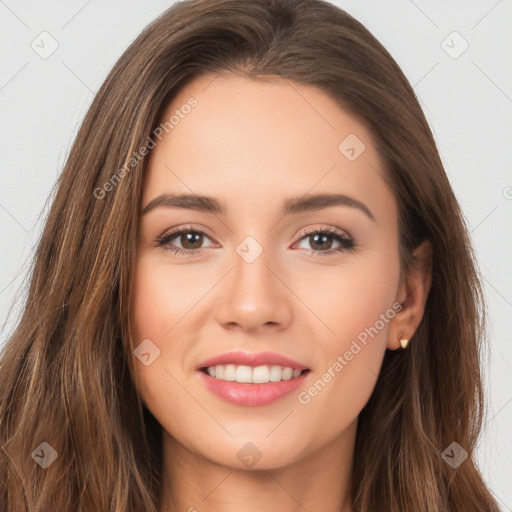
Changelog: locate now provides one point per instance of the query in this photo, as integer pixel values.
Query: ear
(412, 295)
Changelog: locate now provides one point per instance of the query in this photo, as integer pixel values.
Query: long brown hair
(66, 373)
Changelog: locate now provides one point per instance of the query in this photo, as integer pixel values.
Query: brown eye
(321, 241)
(183, 241)
(191, 240)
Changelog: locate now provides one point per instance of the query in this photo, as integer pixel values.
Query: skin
(251, 145)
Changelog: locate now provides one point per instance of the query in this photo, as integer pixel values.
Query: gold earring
(403, 339)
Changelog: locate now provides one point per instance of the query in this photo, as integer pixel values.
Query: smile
(252, 375)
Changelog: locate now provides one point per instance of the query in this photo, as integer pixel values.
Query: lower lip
(251, 395)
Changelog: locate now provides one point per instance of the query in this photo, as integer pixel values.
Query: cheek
(365, 296)
(159, 306)
(160, 301)
(162, 297)
(148, 301)
(351, 299)
(357, 307)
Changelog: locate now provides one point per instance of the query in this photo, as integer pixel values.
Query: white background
(467, 100)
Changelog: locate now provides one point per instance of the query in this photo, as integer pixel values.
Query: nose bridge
(254, 296)
(251, 265)
(251, 277)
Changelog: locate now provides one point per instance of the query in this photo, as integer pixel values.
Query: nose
(254, 296)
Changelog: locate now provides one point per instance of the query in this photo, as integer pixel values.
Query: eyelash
(347, 243)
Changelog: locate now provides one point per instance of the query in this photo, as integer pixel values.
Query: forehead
(245, 140)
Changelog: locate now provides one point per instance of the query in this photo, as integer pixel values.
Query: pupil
(189, 239)
(324, 237)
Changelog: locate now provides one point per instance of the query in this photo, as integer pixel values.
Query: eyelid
(326, 229)
(188, 228)
(347, 242)
(172, 233)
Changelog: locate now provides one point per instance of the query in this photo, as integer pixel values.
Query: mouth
(263, 374)
(252, 386)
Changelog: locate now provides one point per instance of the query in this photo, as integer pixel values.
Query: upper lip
(252, 359)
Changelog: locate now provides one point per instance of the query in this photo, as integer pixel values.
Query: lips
(252, 394)
(252, 359)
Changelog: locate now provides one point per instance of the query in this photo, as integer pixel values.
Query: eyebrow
(294, 205)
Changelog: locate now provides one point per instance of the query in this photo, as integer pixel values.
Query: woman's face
(257, 275)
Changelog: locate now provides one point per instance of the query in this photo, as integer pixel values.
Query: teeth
(256, 375)
(260, 374)
(229, 372)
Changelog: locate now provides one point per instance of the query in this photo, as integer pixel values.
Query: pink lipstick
(252, 379)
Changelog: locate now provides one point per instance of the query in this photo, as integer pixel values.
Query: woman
(261, 365)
